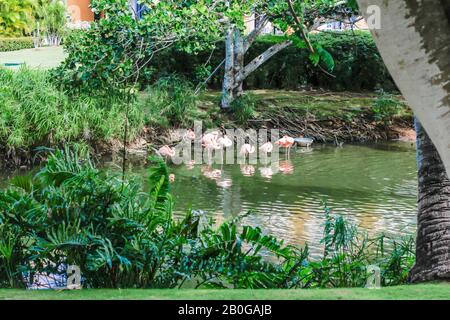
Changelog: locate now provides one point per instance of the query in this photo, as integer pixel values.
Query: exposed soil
(324, 116)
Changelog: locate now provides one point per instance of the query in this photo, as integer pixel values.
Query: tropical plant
(71, 213)
(385, 107)
(114, 52)
(171, 101)
(16, 17)
(50, 21)
(244, 108)
(34, 112)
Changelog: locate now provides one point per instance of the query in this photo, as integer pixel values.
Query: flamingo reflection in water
(286, 167)
(266, 172)
(217, 176)
(247, 170)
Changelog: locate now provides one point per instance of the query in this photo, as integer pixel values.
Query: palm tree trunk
(433, 220)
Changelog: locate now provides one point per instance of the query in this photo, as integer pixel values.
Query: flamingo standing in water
(266, 148)
(166, 151)
(286, 142)
(225, 142)
(210, 143)
(246, 149)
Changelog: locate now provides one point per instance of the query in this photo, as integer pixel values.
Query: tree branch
(254, 34)
(262, 58)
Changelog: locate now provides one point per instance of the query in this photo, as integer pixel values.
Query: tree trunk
(228, 79)
(235, 69)
(433, 219)
(235, 72)
(414, 40)
(238, 61)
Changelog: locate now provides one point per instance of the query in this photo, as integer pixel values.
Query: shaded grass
(433, 291)
(323, 105)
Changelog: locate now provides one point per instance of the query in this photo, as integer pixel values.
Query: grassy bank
(35, 112)
(324, 115)
(406, 292)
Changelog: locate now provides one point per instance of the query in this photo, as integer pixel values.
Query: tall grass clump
(244, 108)
(385, 107)
(71, 213)
(171, 101)
(35, 112)
(348, 252)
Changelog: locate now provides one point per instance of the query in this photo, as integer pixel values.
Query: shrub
(358, 65)
(16, 17)
(385, 107)
(120, 236)
(171, 101)
(34, 112)
(12, 44)
(244, 108)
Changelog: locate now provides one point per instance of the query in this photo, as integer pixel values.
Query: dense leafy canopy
(116, 51)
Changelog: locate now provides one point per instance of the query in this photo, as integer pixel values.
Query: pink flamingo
(210, 143)
(266, 147)
(286, 142)
(166, 151)
(210, 138)
(189, 135)
(246, 149)
(225, 142)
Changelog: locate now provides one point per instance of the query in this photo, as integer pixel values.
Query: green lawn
(42, 58)
(408, 292)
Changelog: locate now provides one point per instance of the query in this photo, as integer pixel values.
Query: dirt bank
(327, 117)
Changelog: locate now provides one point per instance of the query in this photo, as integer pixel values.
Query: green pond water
(372, 185)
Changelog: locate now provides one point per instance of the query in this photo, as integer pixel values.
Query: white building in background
(359, 24)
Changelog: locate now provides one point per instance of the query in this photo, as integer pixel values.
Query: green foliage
(171, 101)
(121, 237)
(115, 51)
(244, 108)
(34, 112)
(348, 252)
(16, 17)
(51, 19)
(12, 44)
(385, 107)
(355, 63)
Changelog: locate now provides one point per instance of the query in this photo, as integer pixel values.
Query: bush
(244, 108)
(385, 107)
(358, 65)
(12, 44)
(71, 213)
(34, 112)
(16, 17)
(171, 101)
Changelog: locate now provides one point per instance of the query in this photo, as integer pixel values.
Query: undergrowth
(71, 213)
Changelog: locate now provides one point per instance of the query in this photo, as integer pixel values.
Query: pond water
(375, 186)
(372, 185)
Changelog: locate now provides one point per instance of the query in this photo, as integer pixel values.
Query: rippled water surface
(373, 185)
